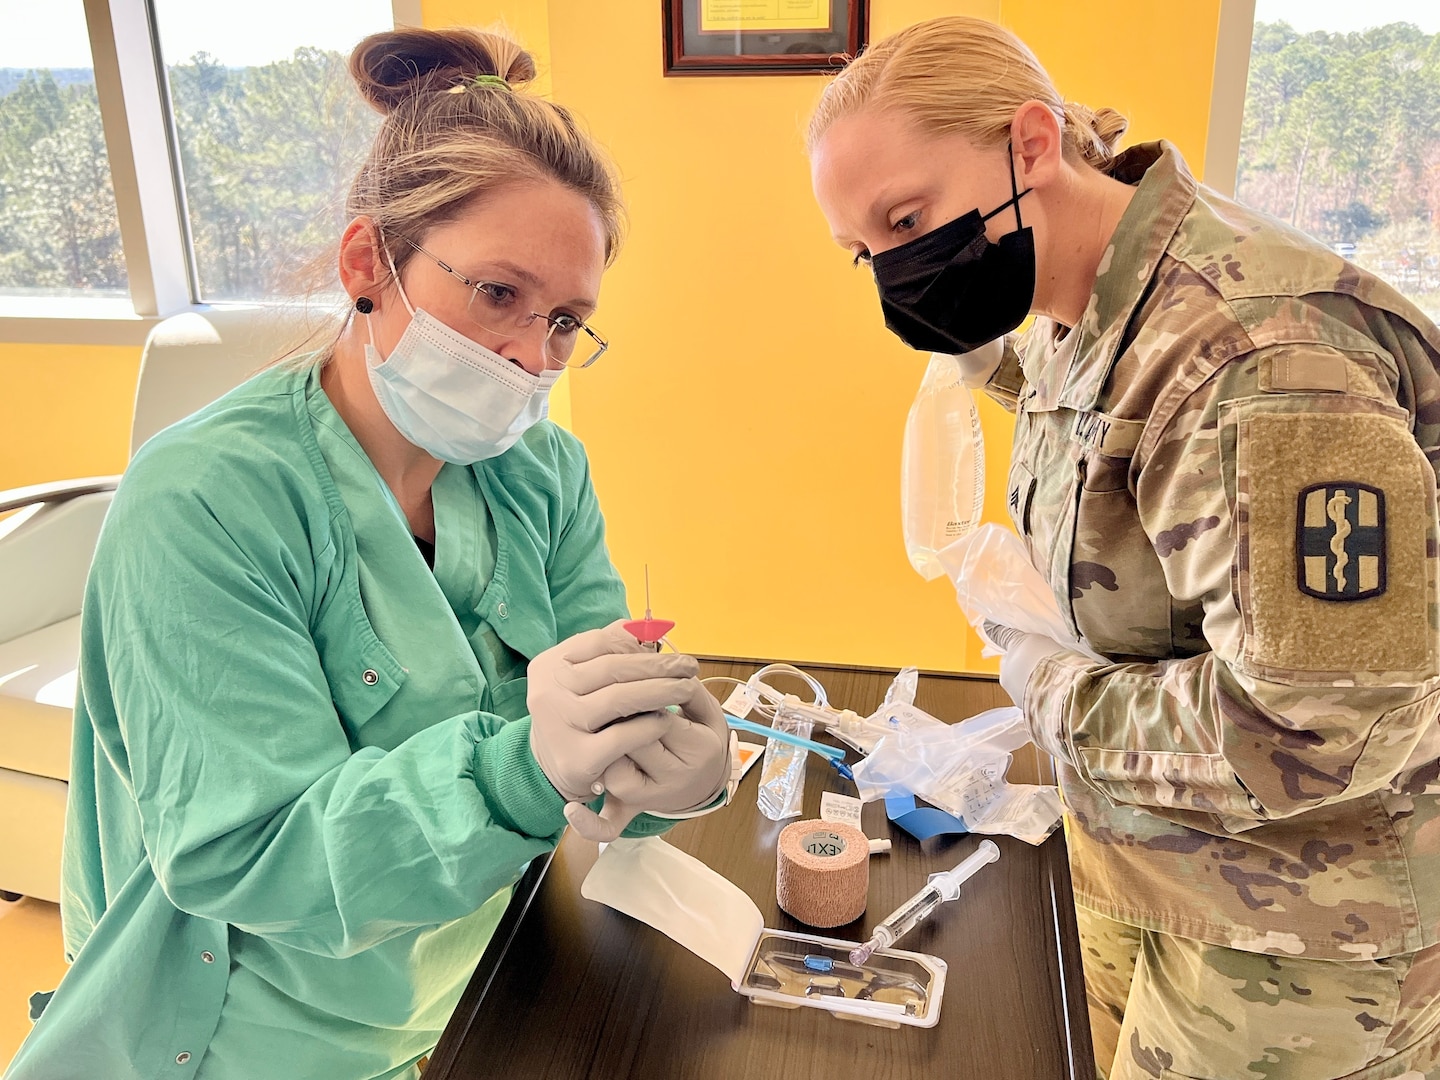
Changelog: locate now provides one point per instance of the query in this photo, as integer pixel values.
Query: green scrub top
(301, 780)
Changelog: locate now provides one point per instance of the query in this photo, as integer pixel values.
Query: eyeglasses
(497, 308)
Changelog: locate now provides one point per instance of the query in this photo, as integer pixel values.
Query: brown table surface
(569, 988)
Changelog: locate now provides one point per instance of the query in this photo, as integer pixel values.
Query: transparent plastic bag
(961, 768)
(782, 773)
(897, 712)
(902, 688)
(1028, 812)
(923, 759)
(994, 579)
(942, 466)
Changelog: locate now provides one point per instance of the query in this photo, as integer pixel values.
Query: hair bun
(393, 66)
(1097, 132)
(1109, 127)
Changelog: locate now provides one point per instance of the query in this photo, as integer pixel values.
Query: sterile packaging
(782, 774)
(995, 580)
(891, 988)
(895, 713)
(653, 881)
(942, 466)
(961, 769)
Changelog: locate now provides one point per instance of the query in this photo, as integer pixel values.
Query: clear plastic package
(892, 987)
(961, 769)
(782, 773)
(995, 580)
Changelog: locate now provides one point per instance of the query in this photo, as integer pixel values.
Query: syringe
(940, 888)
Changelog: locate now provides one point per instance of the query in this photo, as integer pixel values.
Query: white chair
(46, 545)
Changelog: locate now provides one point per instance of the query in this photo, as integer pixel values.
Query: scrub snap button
(502, 610)
(1255, 805)
(208, 956)
(371, 677)
(182, 1057)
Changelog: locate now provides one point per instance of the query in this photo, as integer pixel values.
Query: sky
(1346, 15)
(51, 33)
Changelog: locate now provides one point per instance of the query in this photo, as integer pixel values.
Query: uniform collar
(1165, 191)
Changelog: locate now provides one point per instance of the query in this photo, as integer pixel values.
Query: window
(59, 231)
(270, 132)
(1341, 134)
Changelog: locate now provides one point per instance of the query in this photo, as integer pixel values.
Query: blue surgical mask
(452, 397)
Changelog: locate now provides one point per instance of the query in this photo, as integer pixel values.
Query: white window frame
(149, 195)
(1227, 94)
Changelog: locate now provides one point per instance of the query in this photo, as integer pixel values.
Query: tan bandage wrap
(822, 872)
(1292, 637)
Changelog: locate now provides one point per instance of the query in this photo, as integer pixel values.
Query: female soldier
(305, 774)
(1223, 464)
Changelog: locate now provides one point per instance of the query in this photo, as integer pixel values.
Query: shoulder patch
(1340, 541)
(1335, 570)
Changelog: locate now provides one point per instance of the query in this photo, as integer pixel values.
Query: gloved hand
(598, 696)
(1023, 654)
(977, 365)
(685, 769)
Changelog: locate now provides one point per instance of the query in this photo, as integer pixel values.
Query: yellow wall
(745, 427)
(1154, 62)
(64, 411)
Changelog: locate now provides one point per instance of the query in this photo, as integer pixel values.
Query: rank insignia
(1340, 541)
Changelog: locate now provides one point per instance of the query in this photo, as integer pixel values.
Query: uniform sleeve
(1305, 524)
(1007, 382)
(205, 686)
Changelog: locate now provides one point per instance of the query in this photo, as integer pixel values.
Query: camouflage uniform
(1227, 471)
(1176, 1007)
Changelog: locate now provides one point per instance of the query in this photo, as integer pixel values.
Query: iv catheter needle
(753, 728)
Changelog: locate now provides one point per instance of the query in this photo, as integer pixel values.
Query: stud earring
(364, 305)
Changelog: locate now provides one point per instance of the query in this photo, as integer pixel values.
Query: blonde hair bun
(1097, 132)
(392, 67)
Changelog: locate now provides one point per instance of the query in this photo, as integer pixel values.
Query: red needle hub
(648, 631)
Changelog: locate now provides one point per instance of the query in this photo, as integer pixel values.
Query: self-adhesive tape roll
(822, 872)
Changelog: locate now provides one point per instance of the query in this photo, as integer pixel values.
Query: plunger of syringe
(940, 888)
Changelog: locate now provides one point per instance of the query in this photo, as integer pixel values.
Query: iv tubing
(831, 752)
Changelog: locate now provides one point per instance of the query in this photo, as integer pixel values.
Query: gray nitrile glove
(685, 769)
(1023, 654)
(977, 365)
(596, 697)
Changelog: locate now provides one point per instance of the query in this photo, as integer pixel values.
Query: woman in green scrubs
(350, 656)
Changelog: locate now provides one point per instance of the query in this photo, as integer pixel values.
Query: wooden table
(570, 989)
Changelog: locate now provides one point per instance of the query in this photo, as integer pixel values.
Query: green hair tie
(491, 80)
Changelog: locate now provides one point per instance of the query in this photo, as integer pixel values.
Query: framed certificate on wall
(719, 37)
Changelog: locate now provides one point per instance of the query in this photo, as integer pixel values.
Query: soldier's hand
(1023, 654)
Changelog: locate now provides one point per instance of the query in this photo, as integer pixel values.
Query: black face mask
(952, 290)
